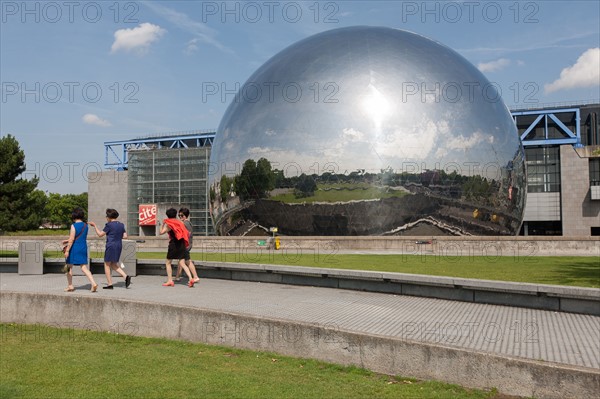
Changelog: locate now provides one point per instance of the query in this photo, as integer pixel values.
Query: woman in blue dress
(115, 233)
(76, 251)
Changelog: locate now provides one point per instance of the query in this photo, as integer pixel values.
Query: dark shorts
(176, 250)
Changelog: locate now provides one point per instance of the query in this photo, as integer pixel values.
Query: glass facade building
(543, 169)
(562, 155)
(169, 177)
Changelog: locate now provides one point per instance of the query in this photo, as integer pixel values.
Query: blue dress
(78, 254)
(114, 240)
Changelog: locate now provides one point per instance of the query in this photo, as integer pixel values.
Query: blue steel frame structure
(547, 115)
(116, 152)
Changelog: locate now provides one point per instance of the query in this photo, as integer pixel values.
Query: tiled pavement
(566, 338)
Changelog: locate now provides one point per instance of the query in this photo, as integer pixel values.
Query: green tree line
(22, 205)
(257, 178)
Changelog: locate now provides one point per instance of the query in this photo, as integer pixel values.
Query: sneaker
(108, 287)
(127, 281)
(169, 284)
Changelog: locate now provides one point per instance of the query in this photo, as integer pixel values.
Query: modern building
(150, 175)
(562, 153)
(147, 175)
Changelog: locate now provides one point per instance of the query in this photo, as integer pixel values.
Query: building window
(590, 130)
(553, 228)
(594, 171)
(543, 169)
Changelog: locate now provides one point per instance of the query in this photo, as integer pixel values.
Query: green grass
(556, 270)
(40, 232)
(43, 362)
(369, 192)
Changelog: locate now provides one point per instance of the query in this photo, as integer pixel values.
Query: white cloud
(137, 39)
(493, 66)
(585, 73)
(259, 150)
(92, 119)
(350, 134)
(413, 141)
(229, 146)
(461, 142)
(201, 32)
(464, 143)
(191, 47)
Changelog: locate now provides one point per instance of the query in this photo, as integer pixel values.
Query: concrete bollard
(128, 257)
(31, 257)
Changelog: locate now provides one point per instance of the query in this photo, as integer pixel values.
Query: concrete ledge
(9, 265)
(512, 376)
(523, 248)
(450, 293)
(535, 296)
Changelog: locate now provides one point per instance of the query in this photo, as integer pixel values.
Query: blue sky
(77, 74)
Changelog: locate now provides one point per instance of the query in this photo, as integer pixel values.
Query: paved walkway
(515, 332)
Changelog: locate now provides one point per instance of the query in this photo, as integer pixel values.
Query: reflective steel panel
(367, 131)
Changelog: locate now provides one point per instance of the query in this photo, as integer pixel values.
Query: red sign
(147, 215)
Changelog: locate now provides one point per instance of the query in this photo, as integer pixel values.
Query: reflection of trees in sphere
(363, 131)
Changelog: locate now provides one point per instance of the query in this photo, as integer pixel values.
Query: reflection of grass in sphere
(342, 192)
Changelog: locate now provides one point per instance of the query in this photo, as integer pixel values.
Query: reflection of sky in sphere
(367, 98)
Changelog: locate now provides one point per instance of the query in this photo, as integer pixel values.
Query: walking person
(178, 242)
(76, 250)
(115, 233)
(184, 216)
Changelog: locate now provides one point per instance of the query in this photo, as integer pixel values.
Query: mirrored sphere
(367, 131)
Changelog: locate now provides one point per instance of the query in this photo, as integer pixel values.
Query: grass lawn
(557, 270)
(342, 192)
(40, 232)
(43, 362)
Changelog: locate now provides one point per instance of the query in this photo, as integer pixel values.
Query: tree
(59, 207)
(280, 181)
(243, 182)
(21, 205)
(255, 180)
(225, 184)
(265, 178)
(476, 187)
(305, 187)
